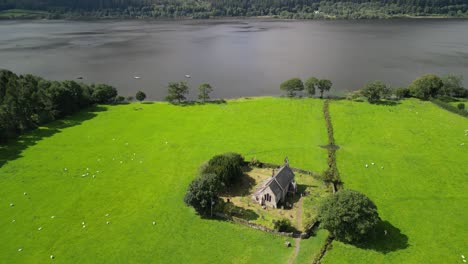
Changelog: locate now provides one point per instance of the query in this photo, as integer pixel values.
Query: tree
(202, 193)
(426, 86)
(140, 96)
(103, 94)
(204, 91)
(177, 91)
(348, 215)
(129, 98)
(310, 85)
(452, 85)
(227, 167)
(375, 90)
(292, 86)
(282, 225)
(402, 92)
(461, 106)
(324, 85)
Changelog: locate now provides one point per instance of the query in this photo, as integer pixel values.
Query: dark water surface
(239, 58)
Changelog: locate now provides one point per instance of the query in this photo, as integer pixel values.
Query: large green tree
(426, 86)
(292, 86)
(176, 91)
(227, 167)
(324, 86)
(310, 84)
(374, 91)
(204, 91)
(203, 193)
(348, 215)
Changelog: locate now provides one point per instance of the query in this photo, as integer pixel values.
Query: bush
(203, 193)
(402, 92)
(349, 215)
(461, 106)
(283, 225)
(227, 167)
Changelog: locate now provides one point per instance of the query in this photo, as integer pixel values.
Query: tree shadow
(192, 103)
(12, 149)
(241, 188)
(386, 102)
(388, 238)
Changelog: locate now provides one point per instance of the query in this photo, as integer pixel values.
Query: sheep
(52, 217)
(12, 204)
(107, 214)
(154, 222)
(52, 256)
(39, 229)
(20, 249)
(367, 166)
(107, 222)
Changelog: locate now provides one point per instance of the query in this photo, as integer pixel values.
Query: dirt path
(298, 224)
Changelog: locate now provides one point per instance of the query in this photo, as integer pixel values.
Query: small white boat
(187, 76)
(137, 77)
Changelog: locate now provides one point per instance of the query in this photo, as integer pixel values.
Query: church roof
(279, 182)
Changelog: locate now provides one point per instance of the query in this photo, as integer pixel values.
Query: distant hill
(305, 9)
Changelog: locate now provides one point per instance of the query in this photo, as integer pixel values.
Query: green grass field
(143, 157)
(421, 192)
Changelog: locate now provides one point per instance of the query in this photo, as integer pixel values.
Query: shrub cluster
(27, 101)
(283, 225)
(219, 172)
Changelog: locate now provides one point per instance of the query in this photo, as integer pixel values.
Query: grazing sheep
(367, 166)
(12, 204)
(52, 217)
(20, 249)
(107, 222)
(154, 222)
(25, 193)
(107, 214)
(373, 163)
(52, 256)
(40, 228)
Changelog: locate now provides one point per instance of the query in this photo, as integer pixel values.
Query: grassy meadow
(88, 189)
(421, 191)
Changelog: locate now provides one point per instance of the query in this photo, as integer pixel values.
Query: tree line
(28, 101)
(298, 9)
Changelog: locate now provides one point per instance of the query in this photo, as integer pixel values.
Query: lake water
(238, 57)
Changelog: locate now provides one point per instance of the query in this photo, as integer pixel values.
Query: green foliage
(204, 91)
(292, 86)
(402, 92)
(227, 167)
(283, 225)
(310, 85)
(426, 87)
(453, 86)
(461, 106)
(291, 9)
(104, 94)
(140, 96)
(349, 215)
(177, 91)
(324, 85)
(129, 98)
(27, 101)
(203, 193)
(374, 91)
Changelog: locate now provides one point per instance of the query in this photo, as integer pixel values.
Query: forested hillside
(308, 9)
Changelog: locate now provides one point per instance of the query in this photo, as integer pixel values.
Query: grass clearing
(143, 157)
(421, 192)
(242, 197)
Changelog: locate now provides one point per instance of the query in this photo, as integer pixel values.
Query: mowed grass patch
(143, 156)
(421, 191)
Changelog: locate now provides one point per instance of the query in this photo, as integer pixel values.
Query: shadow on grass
(388, 239)
(386, 102)
(191, 103)
(12, 150)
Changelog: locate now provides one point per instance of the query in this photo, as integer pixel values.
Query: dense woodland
(27, 101)
(300, 9)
